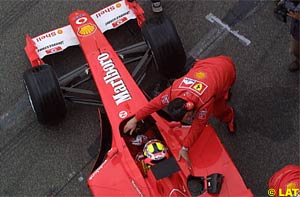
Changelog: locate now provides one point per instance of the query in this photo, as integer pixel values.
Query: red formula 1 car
(123, 171)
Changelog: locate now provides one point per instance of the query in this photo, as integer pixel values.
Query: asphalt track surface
(41, 161)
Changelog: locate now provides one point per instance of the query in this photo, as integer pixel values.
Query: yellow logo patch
(118, 5)
(87, 29)
(60, 31)
(200, 75)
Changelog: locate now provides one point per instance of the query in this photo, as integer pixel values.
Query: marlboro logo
(113, 78)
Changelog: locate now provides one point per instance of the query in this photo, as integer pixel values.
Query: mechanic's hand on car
(185, 155)
(130, 125)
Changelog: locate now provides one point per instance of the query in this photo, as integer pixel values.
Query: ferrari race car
(143, 164)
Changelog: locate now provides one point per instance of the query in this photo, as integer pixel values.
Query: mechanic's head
(155, 151)
(178, 108)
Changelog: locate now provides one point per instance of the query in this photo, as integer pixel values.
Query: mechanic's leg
(156, 6)
(224, 112)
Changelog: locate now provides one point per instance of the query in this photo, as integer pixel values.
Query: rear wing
(59, 39)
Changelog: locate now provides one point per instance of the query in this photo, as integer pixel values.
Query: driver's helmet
(155, 151)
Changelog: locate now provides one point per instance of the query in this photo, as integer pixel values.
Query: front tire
(44, 94)
(165, 44)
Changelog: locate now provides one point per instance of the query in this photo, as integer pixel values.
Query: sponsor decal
(113, 16)
(118, 5)
(60, 31)
(62, 37)
(200, 87)
(51, 46)
(200, 75)
(86, 29)
(113, 78)
(106, 10)
(165, 99)
(98, 170)
(202, 114)
(54, 50)
(123, 114)
(117, 18)
(81, 20)
(120, 22)
(187, 83)
(78, 16)
(46, 35)
(194, 85)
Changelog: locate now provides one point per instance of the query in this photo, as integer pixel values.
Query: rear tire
(163, 40)
(44, 94)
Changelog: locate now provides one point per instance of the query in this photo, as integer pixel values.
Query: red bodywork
(119, 174)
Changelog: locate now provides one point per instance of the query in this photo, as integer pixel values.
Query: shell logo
(60, 31)
(118, 5)
(200, 75)
(86, 29)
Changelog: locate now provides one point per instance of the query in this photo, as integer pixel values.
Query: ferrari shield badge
(194, 85)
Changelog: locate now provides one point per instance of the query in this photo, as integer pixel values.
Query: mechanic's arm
(195, 131)
(154, 105)
(200, 121)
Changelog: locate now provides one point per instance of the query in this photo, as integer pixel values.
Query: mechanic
(203, 91)
(294, 31)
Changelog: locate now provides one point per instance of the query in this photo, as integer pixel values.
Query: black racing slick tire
(161, 36)
(44, 94)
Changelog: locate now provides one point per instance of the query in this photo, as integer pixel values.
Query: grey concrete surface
(36, 160)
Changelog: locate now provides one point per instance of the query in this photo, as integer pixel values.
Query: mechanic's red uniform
(207, 85)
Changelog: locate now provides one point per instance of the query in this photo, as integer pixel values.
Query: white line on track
(212, 18)
(211, 40)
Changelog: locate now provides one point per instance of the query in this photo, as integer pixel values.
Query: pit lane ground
(36, 160)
